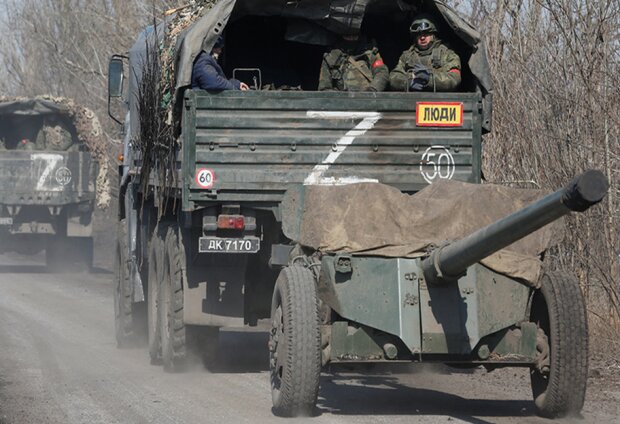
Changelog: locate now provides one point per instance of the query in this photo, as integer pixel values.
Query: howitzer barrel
(450, 262)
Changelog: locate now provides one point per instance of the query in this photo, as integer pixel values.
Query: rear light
(230, 222)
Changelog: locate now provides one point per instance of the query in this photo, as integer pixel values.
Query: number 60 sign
(205, 178)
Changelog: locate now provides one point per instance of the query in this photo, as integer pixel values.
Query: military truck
(48, 192)
(210, 234)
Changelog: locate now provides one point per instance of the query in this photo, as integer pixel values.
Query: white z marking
(45, 163)
(369, 119)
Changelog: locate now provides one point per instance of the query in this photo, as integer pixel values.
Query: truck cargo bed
(249, 147)
(47, 178)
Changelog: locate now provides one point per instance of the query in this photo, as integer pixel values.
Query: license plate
(228, 245)
(439, 114)
(6, 221)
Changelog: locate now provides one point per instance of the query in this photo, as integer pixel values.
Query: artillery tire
(294, 343)
(128, 316)
(559, 310)
(173, 329)
(155, 270)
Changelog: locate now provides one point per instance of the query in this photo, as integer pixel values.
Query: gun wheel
(128, 317)
(173, 330)
(294, 343)
(559, 377)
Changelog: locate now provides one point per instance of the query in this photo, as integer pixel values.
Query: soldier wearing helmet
(354, 64)
(428, 65)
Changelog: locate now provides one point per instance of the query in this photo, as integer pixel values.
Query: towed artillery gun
(442, 307)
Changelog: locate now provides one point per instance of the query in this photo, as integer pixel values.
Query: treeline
(556, 113)
(557, 97)
(62, 47)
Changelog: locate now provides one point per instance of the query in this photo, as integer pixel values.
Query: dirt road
(59, 364)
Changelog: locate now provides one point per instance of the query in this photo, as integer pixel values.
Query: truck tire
(173, 330)
(155, 271)
(128, 317)
(559, 310)
(294, 343)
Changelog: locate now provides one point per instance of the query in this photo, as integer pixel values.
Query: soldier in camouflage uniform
(428, 65)
(25, 144)
(353, 65)
(53, 135)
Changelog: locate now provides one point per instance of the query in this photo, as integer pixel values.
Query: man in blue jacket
(207, 74)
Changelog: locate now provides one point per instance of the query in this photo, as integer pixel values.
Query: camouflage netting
(87, 126)
(155, 101)
(182, 19)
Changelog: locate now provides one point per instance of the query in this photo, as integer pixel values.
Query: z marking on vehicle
(45, 164)
(369, 119)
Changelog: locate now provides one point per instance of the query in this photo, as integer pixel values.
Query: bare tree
(556, 114)
(555, 66)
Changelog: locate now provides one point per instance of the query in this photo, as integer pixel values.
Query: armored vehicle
(48, 193)
(214, 225)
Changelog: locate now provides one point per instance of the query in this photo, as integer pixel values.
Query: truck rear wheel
(128, 317)
(173, 330)
(559, 378)
(155, 269)
(294, 343)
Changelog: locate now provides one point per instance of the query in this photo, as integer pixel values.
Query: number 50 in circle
(205, 178)
(437, 164)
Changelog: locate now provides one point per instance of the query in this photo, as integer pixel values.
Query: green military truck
(48, 191)
(212, 233)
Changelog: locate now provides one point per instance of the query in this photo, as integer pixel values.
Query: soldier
(207, 74)
(54, 135)
(353, 65)
(428, 65)
(25, 144)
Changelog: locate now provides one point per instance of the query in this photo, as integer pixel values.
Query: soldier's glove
(421, 77)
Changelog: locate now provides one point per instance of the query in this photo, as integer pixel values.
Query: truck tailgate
(46, 178)
(250, 146)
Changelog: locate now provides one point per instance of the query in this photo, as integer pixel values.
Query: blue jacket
(207, 74)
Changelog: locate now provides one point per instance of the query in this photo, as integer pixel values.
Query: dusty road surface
(59, 364)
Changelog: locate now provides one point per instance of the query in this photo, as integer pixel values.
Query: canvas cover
(310, 22)
(378, 220)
